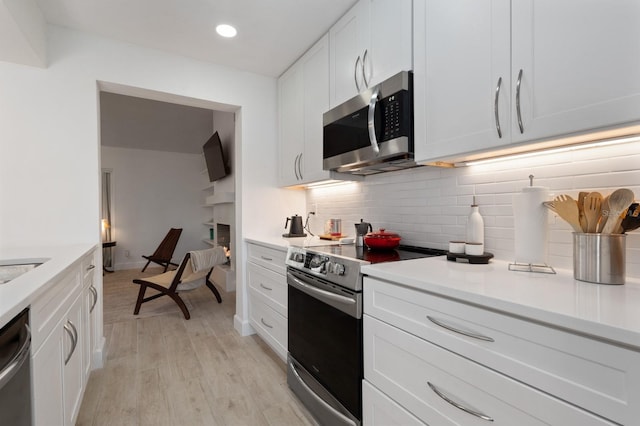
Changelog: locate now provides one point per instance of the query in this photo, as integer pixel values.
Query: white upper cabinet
(496, 74)
(580, 63)
(303, 96)
(462, 76)
(370, 43)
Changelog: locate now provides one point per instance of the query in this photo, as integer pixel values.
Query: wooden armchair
(163, 254)
(186, 277)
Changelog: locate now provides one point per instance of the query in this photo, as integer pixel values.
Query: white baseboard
(99, 355)
(242, 327)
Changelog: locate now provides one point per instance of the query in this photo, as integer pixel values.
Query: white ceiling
(271, 34)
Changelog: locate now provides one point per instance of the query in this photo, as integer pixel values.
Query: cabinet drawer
(420, 375)
(380, 410)
(47, 311)
(269, 324)
(586, 372)
(270, 285)
(268, 257)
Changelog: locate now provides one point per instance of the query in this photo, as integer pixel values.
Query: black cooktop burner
(379, 256)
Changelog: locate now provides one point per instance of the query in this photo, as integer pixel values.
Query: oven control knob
(338, 268)
(298, 257)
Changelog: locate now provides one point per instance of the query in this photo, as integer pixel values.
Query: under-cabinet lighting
(328, 183)
(600, 143)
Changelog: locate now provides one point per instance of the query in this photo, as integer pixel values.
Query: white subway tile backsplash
(429, 206)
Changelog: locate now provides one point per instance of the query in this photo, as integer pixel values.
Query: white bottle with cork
(475, 232)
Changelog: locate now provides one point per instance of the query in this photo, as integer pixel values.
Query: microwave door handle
(371, 121)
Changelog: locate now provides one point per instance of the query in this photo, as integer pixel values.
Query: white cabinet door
(348, 39)
(315, 69)
(461, 77)
(73, 376)
(48, 402)
(291, 126)
(390, 47)
(580, 63)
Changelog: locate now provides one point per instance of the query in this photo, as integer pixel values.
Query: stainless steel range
(324, 367)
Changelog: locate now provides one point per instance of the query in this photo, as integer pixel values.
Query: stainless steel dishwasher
(15, 371)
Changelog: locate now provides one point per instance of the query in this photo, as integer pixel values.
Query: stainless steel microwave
(372, 132)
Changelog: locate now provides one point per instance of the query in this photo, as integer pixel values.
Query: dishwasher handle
(13, 366)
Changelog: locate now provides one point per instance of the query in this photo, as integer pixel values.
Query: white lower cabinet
(448, 363)
(62, 330)
(268, 296)
(379, 409)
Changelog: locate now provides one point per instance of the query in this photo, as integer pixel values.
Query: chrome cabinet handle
(495, 107)
(518, 111)
(90, 267)
(371, 124)
(265, 287)
(295, 167)
(10, 370)
(94, 292)
(457, 330)
(268, 259)
(73, 333)
(300, 166)
(355, 73)
(459, 405)
(364, 67)
(265, 324)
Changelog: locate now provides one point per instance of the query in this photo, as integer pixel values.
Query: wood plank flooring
(161, 369)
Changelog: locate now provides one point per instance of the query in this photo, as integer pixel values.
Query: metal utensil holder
(599, 258)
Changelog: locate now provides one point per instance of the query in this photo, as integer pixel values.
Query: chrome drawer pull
(265, 324)
(355, 73)
(90, 267)
(495, 107)
(94, 293)
(518, 82)
(458, 405)
(268, 259)
(265, 287)
(463, 332)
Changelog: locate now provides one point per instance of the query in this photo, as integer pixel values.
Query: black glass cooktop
(378, 256)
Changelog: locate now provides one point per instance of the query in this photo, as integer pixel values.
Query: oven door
(325, 348)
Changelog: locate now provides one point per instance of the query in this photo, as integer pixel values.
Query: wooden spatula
(619, 202)
(604, 207)
(567, 208)
(581, 209)
(592, 205)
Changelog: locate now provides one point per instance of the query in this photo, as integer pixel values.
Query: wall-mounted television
(214, 158)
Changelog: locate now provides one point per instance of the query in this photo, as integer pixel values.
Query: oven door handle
(10, 370)
(319, 292)
(321, 401)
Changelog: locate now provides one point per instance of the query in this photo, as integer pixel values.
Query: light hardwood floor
(161, 369)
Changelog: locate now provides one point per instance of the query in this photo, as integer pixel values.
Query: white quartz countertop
(610, 312)
(284, 243)
(20, 292)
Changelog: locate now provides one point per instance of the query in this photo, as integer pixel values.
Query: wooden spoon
(567, 208)
(592, 205)
(619, 202)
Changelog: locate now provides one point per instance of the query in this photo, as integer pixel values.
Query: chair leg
(145, 266)
(143, 288)
(214, 290)
(176, 298)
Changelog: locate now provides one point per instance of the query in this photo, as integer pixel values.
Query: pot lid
(382, 234)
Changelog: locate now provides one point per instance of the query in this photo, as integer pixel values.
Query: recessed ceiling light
(226, 30)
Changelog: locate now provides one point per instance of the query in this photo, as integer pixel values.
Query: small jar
(474, 249)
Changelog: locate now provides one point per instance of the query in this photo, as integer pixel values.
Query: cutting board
(331, 237)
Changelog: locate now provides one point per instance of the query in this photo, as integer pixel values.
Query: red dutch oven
(382, 240)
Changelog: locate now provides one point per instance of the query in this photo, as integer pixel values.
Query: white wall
(153, 191)
(429, 206)
(49, 151)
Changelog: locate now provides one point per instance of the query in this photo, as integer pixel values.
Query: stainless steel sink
(13, 268)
